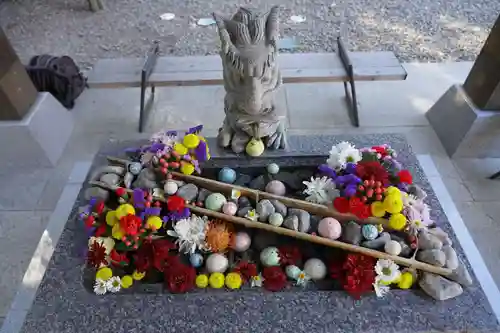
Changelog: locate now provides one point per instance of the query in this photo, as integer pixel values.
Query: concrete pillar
(17, 92)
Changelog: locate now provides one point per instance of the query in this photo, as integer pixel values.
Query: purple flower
(326, 170)
(176, 216)
(350, 190)
(350, 168)
(196, 129)
(201, 151)
(138, 197)
(156, 147)
(172, 133)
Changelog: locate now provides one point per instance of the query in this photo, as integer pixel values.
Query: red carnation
(405, 177)
(180, 278)
(372, 170)
(118, 259)
(289, 255)
(341, 204)
(274, 278)
(96, 255)
(101, 230)
(130, 224)
(99, 207)
(89, 221)
(246, 270)
(359, 208)
(175, 203)
(359, 274)
(380, 150)
(120, 191)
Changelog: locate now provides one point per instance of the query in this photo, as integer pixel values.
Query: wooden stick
(315, 209)
(301, 235)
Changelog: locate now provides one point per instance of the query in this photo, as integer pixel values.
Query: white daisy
(320, 190)
(256, 281)
(387, 271)
(100, 287)
(252, 215)
(380, 289)
(303, 279)
(343, 153)
(114, 284)
(190, 233)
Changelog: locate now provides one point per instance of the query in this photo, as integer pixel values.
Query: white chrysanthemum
(320, 190)
(190, 233)
(257, 281)
(114, 284)
(167, 138)
(380, 289)
(387, 271)
(343, 153)
(100, 287)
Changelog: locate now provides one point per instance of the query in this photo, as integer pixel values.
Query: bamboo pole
(301, 235)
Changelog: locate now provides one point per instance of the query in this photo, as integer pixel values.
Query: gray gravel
(425, 30)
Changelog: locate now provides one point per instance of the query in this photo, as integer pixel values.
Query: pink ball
(229, 208)
(329, 228)
(241, 242)
(276, 187)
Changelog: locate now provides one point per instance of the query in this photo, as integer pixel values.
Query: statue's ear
(225, 39)
(272, 24)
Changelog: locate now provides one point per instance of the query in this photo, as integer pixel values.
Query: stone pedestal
(39, 139)
(464, 129)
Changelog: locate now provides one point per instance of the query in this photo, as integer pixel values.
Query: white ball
(217, 262)
(393, 247)
(275, 219)
(170, 187)
(292, 272)
(273, 168)
(315, 269)
(241, 242)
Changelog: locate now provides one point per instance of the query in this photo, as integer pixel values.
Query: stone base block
(464, 130)
(39, 139)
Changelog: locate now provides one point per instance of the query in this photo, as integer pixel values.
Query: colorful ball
(273, 168)
(202, 281)
(227, 175)
(217, 262)
(170, 187)
(196, 260)
(215, 201)
(393, 247)
(135, 168)
(241, 242)
(216, 280)
(275, 219)
(315, 269)
(329, 228)
(369, 231)
(270, 257)
(276, 187)
(292, 272)
(230, 208)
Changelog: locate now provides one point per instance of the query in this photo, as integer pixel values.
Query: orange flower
(219, 235)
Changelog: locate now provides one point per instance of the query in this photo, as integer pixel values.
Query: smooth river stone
(264, 209)
(438, 287)
(96, 192)
(441, 234)
(427, 241)
(188, 192)
(377, 243)
(258, 183)
(279, 207)
(243, 180)
(433, 257)
(351, 233)
(291, 222)
(461, 275)
(146, 180)
(110, 179)
(203, 194)
(243, 211)
(244, 202)
(304, 218)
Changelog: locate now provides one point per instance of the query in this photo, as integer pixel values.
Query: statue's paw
(273, 141)
(224, 137)
(239, 142)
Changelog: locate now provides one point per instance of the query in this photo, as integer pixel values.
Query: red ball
(164, 170)
(361, 188)
(147, 204)
(364, 199)
(149, 198)
(162, 161)
(369, 193)
(157, 204)
(366, 182)
(378, 197)
(378, 190)
(372, 182)
(378, 184)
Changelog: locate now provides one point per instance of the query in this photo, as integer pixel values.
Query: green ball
(215, 201)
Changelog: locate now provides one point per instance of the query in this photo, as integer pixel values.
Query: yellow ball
(138, 275)
(378, 209)
(406, 280)
(117, 232)
(104, 274)
(154, 222)
(397, 221)
(393, 203)
(124, 210)
(127, 281)
(255, 147)
(191, 141)
(111, 218)
(187, 168)
(233, 281)
(216, 280)
(202, 281)
(180, 149)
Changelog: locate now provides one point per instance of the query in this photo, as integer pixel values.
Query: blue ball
(227, 175)
(369, 231)
(196, 260)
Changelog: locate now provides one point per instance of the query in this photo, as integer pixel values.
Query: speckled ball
(230, 208)
(393, 247)
(329, 228)
(315, 269)
(135, 168)
(170, 187)
(276, 187)
(292, 272)
(215, 202)
(227, 175)
(369, 231)
(273, 168)
(217, 263)
(275, 219)
(241, 242)
(270, 257)
(196, 260)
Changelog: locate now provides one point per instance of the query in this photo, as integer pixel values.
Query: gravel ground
(425, 30)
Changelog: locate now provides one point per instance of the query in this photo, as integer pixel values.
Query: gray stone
(433, 257)
(188, 192)
(203, 193)
(243, 211)
(110, 179)
(258, 183)
(406, 251)
(427, 241)
(351, 233)
(244, 202)
(304, 218)
(279, 207)
(292, 222)
(128, 179)
(378, 243)
(243, 180)
(441, 234)
(461, 275)
(438, 287)
(264, 209)
(397, 238)
(96, 192)
(451, 257)
(146, 180)
(417, 191)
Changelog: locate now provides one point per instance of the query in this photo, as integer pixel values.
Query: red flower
(96, 255)
(180, 278)
(341, 204)
(289, 255)
(120, 191)
(336, 268)
(358, 208)
(405, 177)
(89, 221)
(99, 207)
(154, 254)
(372, 170)
(380, 150)
(175, 203)
(118, 259)
(359, 274)
(246, 270)
(274, 278)
(101, 230)
(130, 224)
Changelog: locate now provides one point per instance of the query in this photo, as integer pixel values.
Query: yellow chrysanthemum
(378, 209)
(117, 232)
(392, 190)
(233, 281)
(405, 280)
(216, 280)
(111, 218)
(138, 275)
(124, 210)
(180, 149)
(154, 222)
(202, 281)
(104, 274)
(187, 168)
(393, 203)
(397, 221)
(202, 138)
(127, 281)
(191, 141)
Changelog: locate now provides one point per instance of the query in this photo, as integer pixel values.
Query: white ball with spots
(315, 269)
(275, 219)
(170, 187)
(292, 272)
(217, 262)
(393, 247)
(270, 257)
(273, 168)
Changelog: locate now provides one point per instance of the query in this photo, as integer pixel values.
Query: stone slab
(39, 138)
(464, 130)
(63, 305)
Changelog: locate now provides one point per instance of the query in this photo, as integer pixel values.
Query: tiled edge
(473, 255)
(41, 258)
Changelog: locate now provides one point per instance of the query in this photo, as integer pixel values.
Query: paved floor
(28, 197)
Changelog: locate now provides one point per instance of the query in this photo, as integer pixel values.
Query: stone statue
(251, 78)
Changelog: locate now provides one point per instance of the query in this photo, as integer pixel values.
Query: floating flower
(252, 215)
(100, 287)
(393, 203)
(405, 177)
(274, 278)
(130, 224)
(190, 233)
(256, 281)
(397, 221)
(180, 278)
(289, 255)
(341, 154)
(138, 275)
(387, 271)
(124, 210)
(377, 209)
(114, 284)
(320, 190)
(303, 279)
(218, 236)
(341, 204)
(233, 280)
(96, 256)
(246, 270)
(380, 289)
(175, 203)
